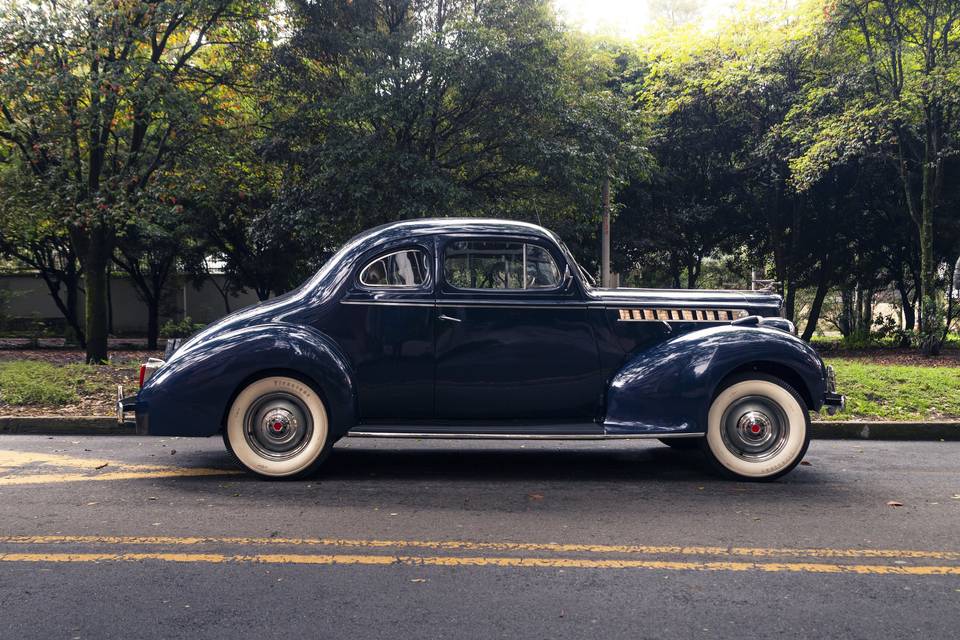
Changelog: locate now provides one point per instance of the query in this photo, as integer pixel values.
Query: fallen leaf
(173, 452)
(418, 580)
(894, 503)
(805, 463)
(101, 466)
(535, 496)
(152, 498)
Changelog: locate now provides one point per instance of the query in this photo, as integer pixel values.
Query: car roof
(421, 226)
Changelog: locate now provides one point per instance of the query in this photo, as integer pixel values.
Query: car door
(386, 324)
(513, 339)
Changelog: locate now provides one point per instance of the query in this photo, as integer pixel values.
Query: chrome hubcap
(754, 428)
(277, 426)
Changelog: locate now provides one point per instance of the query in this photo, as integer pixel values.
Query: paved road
(149, 538)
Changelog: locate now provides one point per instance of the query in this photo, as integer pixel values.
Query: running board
(436, 434)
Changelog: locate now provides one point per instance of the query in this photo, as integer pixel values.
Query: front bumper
(832, 400)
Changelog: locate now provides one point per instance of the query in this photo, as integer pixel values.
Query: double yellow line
(695, 557)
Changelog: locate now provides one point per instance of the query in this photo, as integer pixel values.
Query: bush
(180, 329)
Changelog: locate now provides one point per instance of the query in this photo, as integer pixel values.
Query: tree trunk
(789, 300)
(153, 323)
(817, 305)
(675, 269)
(909, 316)
(73, 316)
(929, 312)
(95, 285)
(846, 312)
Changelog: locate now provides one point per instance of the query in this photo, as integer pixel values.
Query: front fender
(190, 394)
(668, 387)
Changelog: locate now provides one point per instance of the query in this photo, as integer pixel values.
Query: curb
(65, 426)
(856, 430)
(821, 430)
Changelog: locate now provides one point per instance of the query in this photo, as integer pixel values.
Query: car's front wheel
(758, 428)
(277, 428)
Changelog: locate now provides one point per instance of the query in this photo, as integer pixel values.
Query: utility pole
(606, 279)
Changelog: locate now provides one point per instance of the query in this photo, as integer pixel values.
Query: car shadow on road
(562, 462)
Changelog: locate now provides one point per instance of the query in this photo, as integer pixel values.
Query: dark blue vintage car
(471, 328)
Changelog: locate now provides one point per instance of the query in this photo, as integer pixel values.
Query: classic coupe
(473, 328)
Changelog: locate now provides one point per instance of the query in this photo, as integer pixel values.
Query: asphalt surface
(120, 537)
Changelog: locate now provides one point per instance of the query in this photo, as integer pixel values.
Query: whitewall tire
(277, 427)
(758, 428)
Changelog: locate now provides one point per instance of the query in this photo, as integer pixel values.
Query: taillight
(143, 373)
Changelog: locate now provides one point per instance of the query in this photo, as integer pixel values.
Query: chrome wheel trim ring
(265, 437)
(754, 428)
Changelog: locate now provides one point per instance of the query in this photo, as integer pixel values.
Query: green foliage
(431, 108)
(180, 328)
(815, 145)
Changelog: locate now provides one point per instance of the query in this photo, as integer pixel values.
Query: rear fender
(190, 394)
(668, 388)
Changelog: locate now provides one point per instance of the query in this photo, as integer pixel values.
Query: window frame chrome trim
(523, 242)
(426, 284)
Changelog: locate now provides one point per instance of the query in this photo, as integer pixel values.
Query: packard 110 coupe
(470, 328)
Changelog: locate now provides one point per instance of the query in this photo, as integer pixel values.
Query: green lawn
(30, 386)
(897, 392)
(32, 383)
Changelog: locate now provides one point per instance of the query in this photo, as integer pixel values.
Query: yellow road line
(465, 545)
(448, 561)
(11, 460)
(159, 472)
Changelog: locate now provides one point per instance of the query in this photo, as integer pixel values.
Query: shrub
(180, 329)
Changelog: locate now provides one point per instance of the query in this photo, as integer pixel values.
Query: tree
(892, 88)
(38, 239)
(99, 97)
(412, 108)
(154, 242)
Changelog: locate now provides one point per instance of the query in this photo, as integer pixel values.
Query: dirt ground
(891, 356)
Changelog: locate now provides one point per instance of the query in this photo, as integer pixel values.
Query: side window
(481, 264)
(407, 268)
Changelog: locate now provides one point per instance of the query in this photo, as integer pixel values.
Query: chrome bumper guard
(832, 400)
(125, 405)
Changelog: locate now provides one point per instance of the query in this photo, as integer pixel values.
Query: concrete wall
(26, 297)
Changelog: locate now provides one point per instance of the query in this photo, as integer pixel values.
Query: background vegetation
(815, 144)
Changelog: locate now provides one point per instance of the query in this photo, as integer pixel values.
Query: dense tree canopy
(813, 145)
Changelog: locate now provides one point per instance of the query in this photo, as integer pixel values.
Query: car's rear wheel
(758, 428)
(277, 428)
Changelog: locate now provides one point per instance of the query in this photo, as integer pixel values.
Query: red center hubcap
(755, 428)
(278, 426)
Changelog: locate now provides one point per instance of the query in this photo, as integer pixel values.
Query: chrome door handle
(443, 316)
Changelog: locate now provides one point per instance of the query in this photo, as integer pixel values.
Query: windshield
(588, 279)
